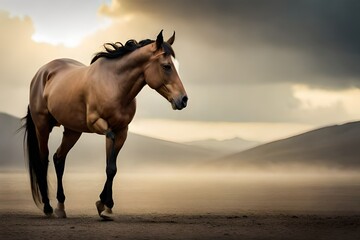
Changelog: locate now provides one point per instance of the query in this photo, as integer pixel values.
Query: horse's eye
(166, 67)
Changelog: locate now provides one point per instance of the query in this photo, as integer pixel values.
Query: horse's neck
(126, 74)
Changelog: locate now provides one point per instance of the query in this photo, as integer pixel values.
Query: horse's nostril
(184, 101)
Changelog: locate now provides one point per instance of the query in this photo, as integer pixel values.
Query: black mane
(116, 50)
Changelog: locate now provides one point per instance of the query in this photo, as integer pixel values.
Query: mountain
(225, 146)
(11, 147)
(335, 146)
(89, 152)
(138, 152)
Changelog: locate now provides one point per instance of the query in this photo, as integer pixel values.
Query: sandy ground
(28, 225)
(252, 206)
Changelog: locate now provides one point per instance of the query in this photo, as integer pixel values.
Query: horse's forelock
(168, 49)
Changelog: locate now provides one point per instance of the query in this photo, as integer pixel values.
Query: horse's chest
(121, 117)
(120, 121)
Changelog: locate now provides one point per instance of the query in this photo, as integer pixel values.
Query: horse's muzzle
(180, 103)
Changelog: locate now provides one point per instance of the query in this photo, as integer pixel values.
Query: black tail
(37, 167)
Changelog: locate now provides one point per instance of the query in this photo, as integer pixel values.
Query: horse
(99, 98)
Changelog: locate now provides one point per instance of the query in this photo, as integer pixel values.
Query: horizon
(140, 131)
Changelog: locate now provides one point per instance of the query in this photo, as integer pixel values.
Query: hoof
(100, 207)
(60, 211)
(48, 210)
(107, 214)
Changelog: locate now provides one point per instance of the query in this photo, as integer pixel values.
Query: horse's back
(60, 67)
(52, 69)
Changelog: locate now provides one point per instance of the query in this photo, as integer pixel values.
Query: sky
(259, 70)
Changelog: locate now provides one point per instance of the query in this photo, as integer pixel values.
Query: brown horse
(99, 98)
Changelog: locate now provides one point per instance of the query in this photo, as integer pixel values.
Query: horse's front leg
(114, 142)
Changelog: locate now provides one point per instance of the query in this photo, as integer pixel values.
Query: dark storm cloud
(323, 35)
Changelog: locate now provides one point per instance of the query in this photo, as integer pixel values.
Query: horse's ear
(172, 39)
(159, 40)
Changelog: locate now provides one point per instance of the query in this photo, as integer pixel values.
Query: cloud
(237, 67)
(59, 22)
(20, 59)
(113, 10)
(21, 56)
(16, 50)
(309, 42)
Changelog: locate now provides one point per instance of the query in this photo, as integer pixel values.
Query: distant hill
(11, 148)
(225, 146)
(89, 152)
(332, 147)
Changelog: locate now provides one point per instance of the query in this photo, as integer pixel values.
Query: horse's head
(162, 73)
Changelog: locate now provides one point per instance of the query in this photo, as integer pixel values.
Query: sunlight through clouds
(64, 22)
(312, 99)
(315, 98)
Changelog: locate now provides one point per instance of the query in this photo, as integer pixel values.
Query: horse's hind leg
(43, 129)
(68, 141)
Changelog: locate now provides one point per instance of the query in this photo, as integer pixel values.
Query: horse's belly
(70, 118)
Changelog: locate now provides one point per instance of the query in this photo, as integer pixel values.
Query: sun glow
(60, 23)
(183, 131)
